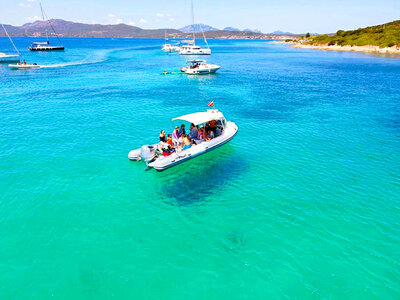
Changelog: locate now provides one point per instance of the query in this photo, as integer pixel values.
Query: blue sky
(296, 16)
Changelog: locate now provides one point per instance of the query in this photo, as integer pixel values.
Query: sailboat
(190, 48)
(45, 46)
(9, 57)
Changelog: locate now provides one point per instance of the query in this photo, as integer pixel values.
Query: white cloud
(143, 21)
(34, 18)
(160, 15)
(111, 15)
(24, 5)
(31, 0)
(119, 21)
(132, 23)
(171, 19)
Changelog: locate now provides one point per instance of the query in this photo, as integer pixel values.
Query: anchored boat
(190, 48)
(168, 47)
(199, 67)
(223, 131)
(45, 46)
(4, 57)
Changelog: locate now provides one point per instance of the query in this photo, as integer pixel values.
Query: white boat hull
(9, 58)
(163, 163)
(171, 48)
(23, 67)
(195, 52)
(201, 70)
(46, 48)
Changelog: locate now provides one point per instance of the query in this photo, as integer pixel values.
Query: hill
(74, 29)
(385, 35)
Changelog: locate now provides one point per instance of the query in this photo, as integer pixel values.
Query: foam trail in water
(104, 57)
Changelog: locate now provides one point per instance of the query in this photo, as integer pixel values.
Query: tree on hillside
(307, 35)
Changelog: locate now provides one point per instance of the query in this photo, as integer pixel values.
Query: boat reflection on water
(192, 184)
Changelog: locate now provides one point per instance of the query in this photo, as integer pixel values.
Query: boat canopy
(201, 117)
(196, 61)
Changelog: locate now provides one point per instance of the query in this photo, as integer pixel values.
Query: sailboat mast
(9, 37)
(41, 9)
(194, 37)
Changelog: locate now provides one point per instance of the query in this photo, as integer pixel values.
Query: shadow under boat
(192, 184)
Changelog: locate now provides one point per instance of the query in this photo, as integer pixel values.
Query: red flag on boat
(211, 103)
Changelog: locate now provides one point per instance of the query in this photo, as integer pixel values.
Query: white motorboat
(4, 57)
(191, 48)
(171, 48)
(199, 67)
(20, 66)
(9, 57)
(224, 132)
(45, 46)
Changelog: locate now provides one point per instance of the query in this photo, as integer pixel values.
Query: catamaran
(159, 158)
(4, 57)
(190, 48)
(45, 46)
(199, 67)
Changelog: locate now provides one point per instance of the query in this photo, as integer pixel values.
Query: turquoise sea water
(303, 203)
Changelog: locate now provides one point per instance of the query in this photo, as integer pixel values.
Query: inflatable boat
(154, 158)
(20, 66)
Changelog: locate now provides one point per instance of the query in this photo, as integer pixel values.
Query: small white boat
(170, 48)
(9, 57)
(45, 46)
(191, 48)
(224, 132)
(20, 66)
(199, 67)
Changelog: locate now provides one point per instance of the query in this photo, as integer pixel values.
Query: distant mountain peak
(197, 28)
(232, 29)
(252, 30)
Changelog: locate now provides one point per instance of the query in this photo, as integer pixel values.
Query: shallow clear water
(303, 203)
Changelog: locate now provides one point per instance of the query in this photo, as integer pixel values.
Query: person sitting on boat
(210, 135)
(182, 130)
(212, 126)
(24, 62)
(162, 136)
(193, 131)
(176, 136)
(169, 140)
(185, 142)
(200, 133)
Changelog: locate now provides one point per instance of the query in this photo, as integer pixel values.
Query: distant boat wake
(102, 58)
(77, 63)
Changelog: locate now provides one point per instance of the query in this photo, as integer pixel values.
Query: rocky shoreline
(365, 49)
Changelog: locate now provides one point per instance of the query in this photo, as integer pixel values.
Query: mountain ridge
(76, 29)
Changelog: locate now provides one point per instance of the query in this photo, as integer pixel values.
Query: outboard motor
(147, 152)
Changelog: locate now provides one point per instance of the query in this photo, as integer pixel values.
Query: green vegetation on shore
(386, 35)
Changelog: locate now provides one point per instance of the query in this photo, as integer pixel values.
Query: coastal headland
(380, 39)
